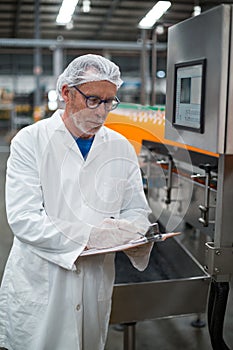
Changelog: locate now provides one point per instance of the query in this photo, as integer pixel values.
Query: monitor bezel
(201, 62)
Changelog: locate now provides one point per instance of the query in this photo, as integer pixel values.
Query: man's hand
(111, 233)
(139, 256)
(140, 251)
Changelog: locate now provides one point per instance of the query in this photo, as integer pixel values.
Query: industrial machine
(200, 112)
(189, 183)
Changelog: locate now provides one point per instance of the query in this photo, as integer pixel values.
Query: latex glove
(111, 233)
(139, 256)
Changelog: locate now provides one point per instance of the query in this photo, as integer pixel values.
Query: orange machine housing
(138, 123)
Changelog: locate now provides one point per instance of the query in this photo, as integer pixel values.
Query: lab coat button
(78, 307)
(78, 271)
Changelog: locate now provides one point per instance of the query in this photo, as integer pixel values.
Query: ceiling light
(52, 95)
(86, 6)
(66, 11)
(70, 25)
(160, 29)
(197, 10)
(52, 100)
(154, 14)
(161, 74)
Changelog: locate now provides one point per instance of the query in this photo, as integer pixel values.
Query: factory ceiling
(112, 21)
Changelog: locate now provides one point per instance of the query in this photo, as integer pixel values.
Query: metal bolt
(218, 252)
(216, 270)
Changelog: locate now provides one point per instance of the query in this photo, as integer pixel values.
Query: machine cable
(216, 312)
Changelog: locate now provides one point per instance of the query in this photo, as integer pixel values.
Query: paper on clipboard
(132, 244)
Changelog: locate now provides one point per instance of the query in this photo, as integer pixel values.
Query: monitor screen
(189, 95)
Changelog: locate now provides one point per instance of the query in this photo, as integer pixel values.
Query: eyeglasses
(93, 102)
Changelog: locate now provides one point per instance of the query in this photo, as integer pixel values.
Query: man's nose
(102, 110)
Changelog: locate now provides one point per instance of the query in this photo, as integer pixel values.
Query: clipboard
(159, 237)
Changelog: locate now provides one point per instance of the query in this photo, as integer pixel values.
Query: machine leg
(129, 336)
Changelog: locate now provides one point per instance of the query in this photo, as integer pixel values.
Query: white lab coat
(53, 198)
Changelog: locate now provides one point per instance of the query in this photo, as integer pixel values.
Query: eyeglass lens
(94, 101)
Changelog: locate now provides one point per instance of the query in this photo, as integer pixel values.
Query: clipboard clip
(153, 234)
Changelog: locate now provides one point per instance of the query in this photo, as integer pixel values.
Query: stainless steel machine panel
(172, 279)
(199, 113)
(205, 38)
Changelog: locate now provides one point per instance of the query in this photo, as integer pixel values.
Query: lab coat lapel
(66, 137)
(69, 142)
(98, 146)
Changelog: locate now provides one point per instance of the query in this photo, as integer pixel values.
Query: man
(72, 184)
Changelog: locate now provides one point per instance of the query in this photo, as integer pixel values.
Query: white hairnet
(87, 68)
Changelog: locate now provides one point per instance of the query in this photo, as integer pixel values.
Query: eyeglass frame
(98, 98)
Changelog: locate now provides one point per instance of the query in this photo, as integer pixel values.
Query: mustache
(95, 119)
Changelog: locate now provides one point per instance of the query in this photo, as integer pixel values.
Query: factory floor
(172, 333)
(175, 333)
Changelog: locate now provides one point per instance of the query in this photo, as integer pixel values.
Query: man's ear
(65, 93)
